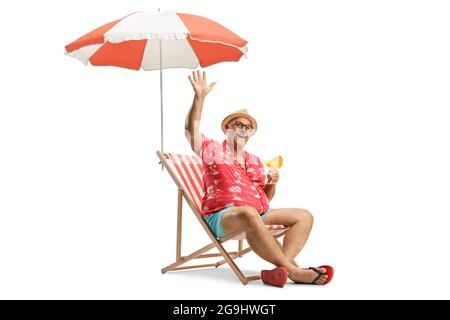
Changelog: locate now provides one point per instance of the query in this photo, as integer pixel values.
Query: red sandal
(276, 277)
(329, 272)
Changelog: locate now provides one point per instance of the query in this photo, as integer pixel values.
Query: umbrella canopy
(137, 40)
(160, 40)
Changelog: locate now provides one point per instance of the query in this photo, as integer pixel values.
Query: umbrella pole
(161, 98)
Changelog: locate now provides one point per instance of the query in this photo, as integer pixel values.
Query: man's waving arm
(192, 124)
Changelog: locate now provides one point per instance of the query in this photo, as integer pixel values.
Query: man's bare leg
(247, 219)
(300, 222)
(281, 248)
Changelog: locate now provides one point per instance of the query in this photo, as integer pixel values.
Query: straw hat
(242, 113)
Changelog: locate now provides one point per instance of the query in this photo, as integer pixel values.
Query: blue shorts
(214, 221)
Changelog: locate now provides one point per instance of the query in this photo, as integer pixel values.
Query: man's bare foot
(308, 276)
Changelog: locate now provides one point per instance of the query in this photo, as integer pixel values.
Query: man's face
(239, 130)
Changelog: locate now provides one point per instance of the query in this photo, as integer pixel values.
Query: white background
(353, 94)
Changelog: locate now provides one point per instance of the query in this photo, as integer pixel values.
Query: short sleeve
(204, 145)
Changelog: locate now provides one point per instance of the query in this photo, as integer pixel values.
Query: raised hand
(200, 84)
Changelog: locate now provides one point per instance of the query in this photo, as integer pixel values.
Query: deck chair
(186, 172)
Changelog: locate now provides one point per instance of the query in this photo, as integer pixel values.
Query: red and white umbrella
(156, 41)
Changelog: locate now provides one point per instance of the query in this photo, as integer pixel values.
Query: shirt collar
(227, 149)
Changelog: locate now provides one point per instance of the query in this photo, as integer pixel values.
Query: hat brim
(239, 115)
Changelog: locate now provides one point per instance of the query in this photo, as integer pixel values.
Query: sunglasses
(240, 125)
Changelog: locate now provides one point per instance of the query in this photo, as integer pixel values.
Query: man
(237, 195)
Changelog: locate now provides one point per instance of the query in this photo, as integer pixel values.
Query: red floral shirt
(226, 183)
